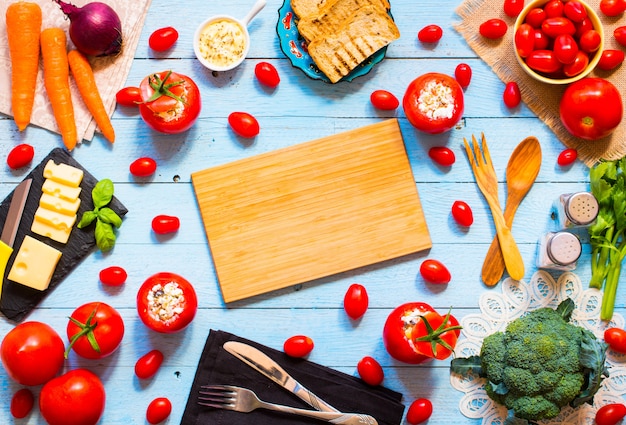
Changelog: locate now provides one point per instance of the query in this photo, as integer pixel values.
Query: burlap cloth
(543, 99)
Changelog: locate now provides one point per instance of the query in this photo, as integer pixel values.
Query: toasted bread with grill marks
(364, 33)
(305, 8)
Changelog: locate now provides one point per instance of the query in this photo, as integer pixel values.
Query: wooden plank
(311, 210)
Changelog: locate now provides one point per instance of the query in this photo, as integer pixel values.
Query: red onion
(95, 28)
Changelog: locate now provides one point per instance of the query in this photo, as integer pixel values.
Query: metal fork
(244, 400)
(488, 184)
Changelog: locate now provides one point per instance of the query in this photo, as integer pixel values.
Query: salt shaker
(559, 251)
(576, 210)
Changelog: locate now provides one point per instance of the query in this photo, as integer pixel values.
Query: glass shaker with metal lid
(576, 210)
(559, 251)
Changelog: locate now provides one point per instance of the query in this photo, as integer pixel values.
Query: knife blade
(12, 224)
(268, 367)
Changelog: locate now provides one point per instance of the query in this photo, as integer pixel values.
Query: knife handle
(5, 254)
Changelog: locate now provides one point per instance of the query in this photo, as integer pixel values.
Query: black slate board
(19, 300)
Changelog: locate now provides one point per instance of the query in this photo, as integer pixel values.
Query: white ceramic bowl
(221, 43)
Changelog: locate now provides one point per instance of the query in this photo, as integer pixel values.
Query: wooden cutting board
(311, 210)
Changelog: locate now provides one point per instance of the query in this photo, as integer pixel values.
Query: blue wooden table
(299, 110)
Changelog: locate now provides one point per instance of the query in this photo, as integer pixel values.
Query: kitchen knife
(268, 367)
(11, 224)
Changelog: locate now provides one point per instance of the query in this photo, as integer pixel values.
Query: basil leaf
(102, 193)
(87, 218)
(105, 237)
(109, 216)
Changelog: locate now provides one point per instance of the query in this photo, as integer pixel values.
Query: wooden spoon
(521, 172)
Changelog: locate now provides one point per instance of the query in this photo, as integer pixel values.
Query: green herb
(106, 219)
(608, 243)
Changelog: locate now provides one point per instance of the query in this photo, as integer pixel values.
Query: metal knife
(11, 224)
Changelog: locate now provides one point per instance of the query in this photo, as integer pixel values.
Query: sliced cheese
(55, 219)
(58, 204)
(34, 264)
(63, 191)
(63, 173)
(49, 231)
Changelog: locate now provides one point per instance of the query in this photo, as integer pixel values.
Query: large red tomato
(95, 330)
(433, 102)
(170, 102)
(75, 398)
(591, 108)
(166, 302)
(32, 353)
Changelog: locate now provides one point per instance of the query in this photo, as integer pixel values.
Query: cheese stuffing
(165, 302)
(436, 101)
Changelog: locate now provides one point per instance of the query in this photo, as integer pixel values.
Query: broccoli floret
(539, 364)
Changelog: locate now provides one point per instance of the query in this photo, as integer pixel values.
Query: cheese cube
(44, 229)
(55, 219)
(63, 191)
(63, 173)
(34, 264)
(60, 205)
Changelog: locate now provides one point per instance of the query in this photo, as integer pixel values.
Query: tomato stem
(434, 335)
(86, 330)
(162, 89)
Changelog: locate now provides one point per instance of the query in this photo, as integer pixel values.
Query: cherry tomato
(433, 102)
(542, 41)
(171, 289)
(244, 124)
(567, 157)
(543, 61)
(158, 410)
(95, 330)
(512, 8)
(535, 17)
(356, 301)
(579, 65)
(575, 11)
(430, 34)
(370, 371)
(610, 414)
(113, 276)
(22, 403)
(612, 7)
(419, 411)
(620, 35)
(129, 96)
(616, 338)
(610, 59)
(462, 213)
(463, 74)
(163, 39)
(433, 271)
(382, 99)
(553, 8)
(511, 95)
(163, 224)
(565, 48)
(493, 28)
(442, 155)
(32, 353)
(148, 364)
(298, 346)
(558, 25)
(267, 74)
(143, 167)
(590, 41)
(525, 40)
(583, 26)
(20, 156)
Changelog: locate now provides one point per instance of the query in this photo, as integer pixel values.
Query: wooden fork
(488, 184)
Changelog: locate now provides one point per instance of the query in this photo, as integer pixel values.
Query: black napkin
(344, 392)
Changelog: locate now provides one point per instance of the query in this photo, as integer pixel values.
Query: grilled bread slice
(333, 15)
(364, 33)
(305, 8)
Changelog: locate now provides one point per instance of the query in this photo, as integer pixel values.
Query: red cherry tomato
(565, 48)
(143, 167)
(542, 41)
(616, 338)
(512, 8)
(567, 157)
(558, 25)
(462, 213)
(419, 411)
(511, 95)
(620, 35)
(610, 414)
(583, 26)
(463, 74)
(163, 39)
(433, 271)
(579, 65)
(129, 96)
(553, 8)
(612, 7)
(356, 301)
(163, 224)
(590, 41)
(20, 156)
(442, 155)
(158, 410)
(298, 346)
(244, 124)
(370, 371)
(267, 74)
(535, 17)
(430, 34)
(382, 99)
(22, 403)
(95, 330)
(525, 40)
(610, 59)
(148, 364)
(543, 61)
(493, 28)
(575, 11)
(113, 276)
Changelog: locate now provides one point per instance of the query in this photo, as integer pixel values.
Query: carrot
(23, 21)
(56, 75)
(86, 83)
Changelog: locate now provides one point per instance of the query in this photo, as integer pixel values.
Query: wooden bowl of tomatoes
(558, 41)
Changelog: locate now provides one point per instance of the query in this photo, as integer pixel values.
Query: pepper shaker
(559, 251)
(576, 210)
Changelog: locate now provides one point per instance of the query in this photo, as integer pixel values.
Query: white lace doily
(517, 298)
